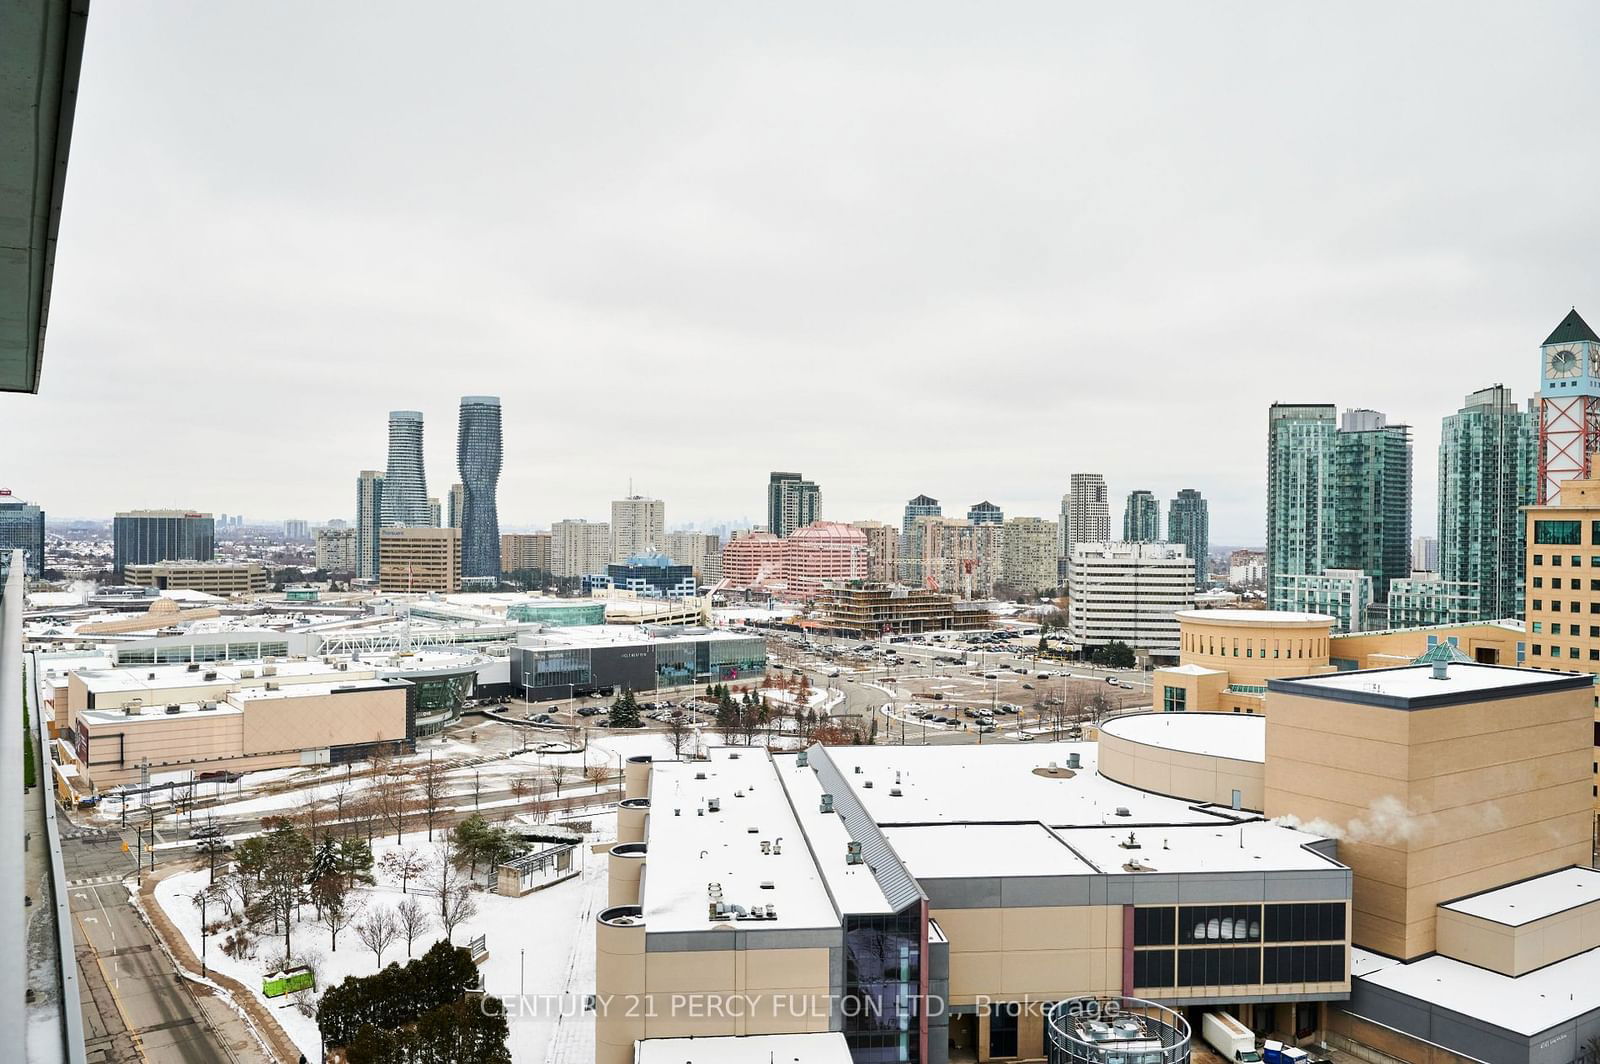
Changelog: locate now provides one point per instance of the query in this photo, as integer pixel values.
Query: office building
(1346, 595)
(458, 500)
(1189, 523)
(638, 526)
(478, 449)
(753, 560)
(1569, 406)
(701, 551)
(405, 483)
(336, 550)
(369, 519)
(419, 559)
(1141, 518)
(646, 576)
(142, 536)
(21, 528)
(1426, 598)
(883, 550)
(214, 578)
(1425, 554)
(1028, 557)
(792, 502)
(296, 531)
(1129, 593)
(1488, 471)
(821, 552)
(1338, 496)
(578, 547)
(985, 513)
(525, 552)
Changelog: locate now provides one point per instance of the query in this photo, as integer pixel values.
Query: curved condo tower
(478, 459)
(405, 487)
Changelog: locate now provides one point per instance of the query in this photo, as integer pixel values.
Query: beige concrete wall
(1371, 650)
(314, 722)
(1202, 694)
(1434, 804)
(1253, 648)
(165, 741)
(1516, 950)
(1009, 954)
(623, 875)
(1181, 774)
(701, 993)
(635, 779)
(631, 823)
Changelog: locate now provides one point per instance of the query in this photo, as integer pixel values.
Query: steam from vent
(1386, 822)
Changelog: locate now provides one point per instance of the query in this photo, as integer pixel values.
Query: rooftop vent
(1130, 843)
(714, 805)
(699, 775)
(174, 709)
(1122, 810)
(801, 759)
(866, 785)
(194, 666)
(827, 803)
(852, 853)
(1074, 761)
(894, 792)
(212, 675)
(208, 705)
(766, 846)
(767, 884)
(1441, 670)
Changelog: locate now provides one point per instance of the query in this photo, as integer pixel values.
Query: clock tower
(1569, 405)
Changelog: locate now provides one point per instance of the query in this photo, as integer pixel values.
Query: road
(135, 1007)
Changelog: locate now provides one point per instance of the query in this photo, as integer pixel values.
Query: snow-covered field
(541, 946)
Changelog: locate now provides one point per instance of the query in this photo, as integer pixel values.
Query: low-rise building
(644, 575)
(572, 662)
(214, 578)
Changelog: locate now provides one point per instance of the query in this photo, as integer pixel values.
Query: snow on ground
(540, 945)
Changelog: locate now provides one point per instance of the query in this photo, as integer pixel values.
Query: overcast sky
(960, 249)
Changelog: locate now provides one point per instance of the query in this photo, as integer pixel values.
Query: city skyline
(1036, 229)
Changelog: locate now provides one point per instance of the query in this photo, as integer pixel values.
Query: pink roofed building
(753, 560)
(823, 551)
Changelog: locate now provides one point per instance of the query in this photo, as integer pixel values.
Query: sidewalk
(259, 1016)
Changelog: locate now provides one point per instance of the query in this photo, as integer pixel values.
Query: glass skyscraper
(405, 486)
(1189, 523)
(1141, 517)
(1338, 496)
(21, 525)
(1488, 469)
(140, 537)
(478, 450)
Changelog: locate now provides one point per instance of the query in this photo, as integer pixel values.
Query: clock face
(1563, 363)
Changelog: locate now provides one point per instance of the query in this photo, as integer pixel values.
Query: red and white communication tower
(1569, 405)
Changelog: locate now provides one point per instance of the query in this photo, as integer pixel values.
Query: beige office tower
(1413, 770)
(419, 559)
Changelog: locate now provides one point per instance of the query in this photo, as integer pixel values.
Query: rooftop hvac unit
(208, 705)
(866, 785)
(852, 852)
(827, 803)
(1122, 810)
(1074, 761)
(714, 805)
(272, 685)
(247, 674)
(801, 760)
(894, 792)
(699, 775)
(212, 675)
(269, 670)
(174, 709)
(194, 666)
(131, 709)
(1130, 843)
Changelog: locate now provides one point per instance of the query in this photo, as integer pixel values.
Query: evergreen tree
(625, 711)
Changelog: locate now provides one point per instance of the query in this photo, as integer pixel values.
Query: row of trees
(361, 1008)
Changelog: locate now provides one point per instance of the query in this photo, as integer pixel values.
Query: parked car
(1027, 687)
(1025, 737)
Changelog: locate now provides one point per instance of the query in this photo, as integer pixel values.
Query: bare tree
(597, 773)
(558, 776)
(456, 908)
(405, 865)
(413, 920)
(521, 787)
(378, 931)
(430, 777)
(445, 874)
(393, 794)
(677, 734)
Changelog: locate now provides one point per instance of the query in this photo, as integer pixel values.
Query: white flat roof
(1242, 736)
(994, 782)
(139, 677)
(745, 1049)
(1526, 1004)
(1532, 899)
(150, 714)
(306, 690)
(1254, 617)
(605, 635)
(853, 887)
(1258, 846)
(1417, 681)
(1195, 670)
(690, 846)
(964, 851)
